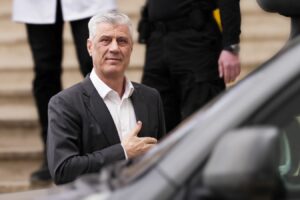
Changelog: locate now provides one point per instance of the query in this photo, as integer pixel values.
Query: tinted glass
(283, 111)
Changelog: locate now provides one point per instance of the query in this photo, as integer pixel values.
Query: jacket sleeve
(65, 158)
(231, 21)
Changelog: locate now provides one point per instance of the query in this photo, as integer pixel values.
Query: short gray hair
(112, 17)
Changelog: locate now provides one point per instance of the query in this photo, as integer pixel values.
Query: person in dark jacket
(188, 58)
(290, 8)
(106, 117)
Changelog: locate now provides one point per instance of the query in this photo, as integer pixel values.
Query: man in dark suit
(104, 118)
(189, 58)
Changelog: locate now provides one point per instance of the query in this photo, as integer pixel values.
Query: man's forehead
(106, 28)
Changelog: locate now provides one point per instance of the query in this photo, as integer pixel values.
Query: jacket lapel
(140, 108)
(98, 109)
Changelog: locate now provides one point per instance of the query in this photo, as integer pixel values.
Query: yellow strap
(217, 17)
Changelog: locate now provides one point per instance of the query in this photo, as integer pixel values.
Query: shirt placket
(124, 117)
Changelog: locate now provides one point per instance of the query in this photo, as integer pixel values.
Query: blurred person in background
(44, 21)
(288, 8)
(189, 59)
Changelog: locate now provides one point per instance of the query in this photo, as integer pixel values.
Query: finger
(236, 71)
(136, 129)
(234, 74)
(149, 140)
(221, 72)
(226, 74)
(230, 74)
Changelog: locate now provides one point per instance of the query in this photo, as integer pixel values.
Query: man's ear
(89, 45)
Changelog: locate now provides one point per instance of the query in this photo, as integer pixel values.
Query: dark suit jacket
(82, 136)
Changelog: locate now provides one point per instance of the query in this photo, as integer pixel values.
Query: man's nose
(114, 46)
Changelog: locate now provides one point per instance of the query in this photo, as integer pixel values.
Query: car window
(290, 151)
(283, 112)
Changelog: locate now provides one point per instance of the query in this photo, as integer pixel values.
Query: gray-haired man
(105, 117)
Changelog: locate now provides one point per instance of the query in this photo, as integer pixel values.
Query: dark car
(245, 144)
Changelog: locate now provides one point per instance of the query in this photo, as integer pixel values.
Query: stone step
(260, 25)
(17, 76)
(11, 33)
(24, 62)
(10, 186)
(16, 85)
(253, 53)
(5, 8)
(254, 25)
(15, 175)
(20, 145)
(15, 33)
(132, 7)
(21, 56)
(265, 27)
(18, 170)
(40, 193)
(15, 80)
(18, 116)
(20, 155)
(17, 88)
(250, 7)
(249, 50)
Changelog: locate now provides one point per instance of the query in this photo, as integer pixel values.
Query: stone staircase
(263, 34)
(20, 145)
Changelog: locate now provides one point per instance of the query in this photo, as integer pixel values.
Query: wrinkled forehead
(113, 30)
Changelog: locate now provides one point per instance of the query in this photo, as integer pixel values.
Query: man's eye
(104, 41)
(122, 41)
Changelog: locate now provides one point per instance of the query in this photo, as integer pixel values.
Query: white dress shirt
(121, 109)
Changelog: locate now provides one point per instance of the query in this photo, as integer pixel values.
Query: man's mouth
(113, 59)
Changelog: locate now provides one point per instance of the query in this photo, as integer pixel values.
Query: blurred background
(263, 34)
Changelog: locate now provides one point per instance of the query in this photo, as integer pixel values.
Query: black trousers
(183, 66)
(46, 44)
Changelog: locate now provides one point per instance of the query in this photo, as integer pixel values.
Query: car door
(283, 112)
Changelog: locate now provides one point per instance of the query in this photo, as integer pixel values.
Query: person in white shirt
(44, 21)
(106, 117)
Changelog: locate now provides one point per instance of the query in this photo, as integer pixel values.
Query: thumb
(136, 129)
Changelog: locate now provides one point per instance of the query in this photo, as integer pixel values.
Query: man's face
(110, 50)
